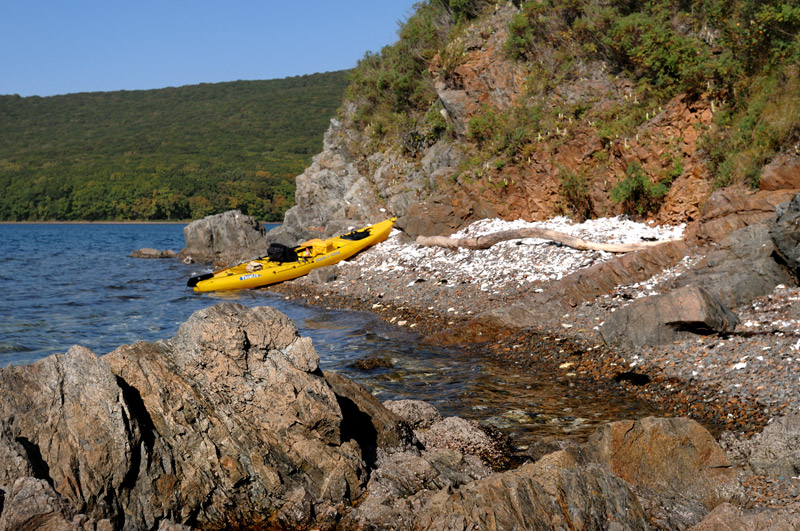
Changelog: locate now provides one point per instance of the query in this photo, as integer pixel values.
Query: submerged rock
(224, 239)
(148, 252)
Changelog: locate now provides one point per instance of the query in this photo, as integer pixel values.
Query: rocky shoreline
(231, 424)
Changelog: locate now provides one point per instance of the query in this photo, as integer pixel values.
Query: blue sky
(50, 47)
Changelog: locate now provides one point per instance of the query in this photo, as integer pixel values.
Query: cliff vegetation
(588, 107)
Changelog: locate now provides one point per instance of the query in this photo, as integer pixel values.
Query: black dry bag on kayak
(281, 253)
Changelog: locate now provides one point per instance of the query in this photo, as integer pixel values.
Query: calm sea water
(67, 284)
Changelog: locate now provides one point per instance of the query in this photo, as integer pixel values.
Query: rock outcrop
(553, 493)
(743, 266)
(676, 467)
(734, 208)
(773, 452)
(229, 422)
(782, 173)
(224, 239)
(561, 297)
(662, 319)
(786, 234)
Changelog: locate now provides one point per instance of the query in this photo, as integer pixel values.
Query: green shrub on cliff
(637, 194)
(394, 85)
(740, 53)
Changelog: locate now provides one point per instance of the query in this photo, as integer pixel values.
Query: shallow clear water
(67, 284)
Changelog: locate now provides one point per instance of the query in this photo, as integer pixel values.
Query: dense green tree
(173, 153)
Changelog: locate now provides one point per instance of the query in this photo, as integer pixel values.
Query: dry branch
(486, 241)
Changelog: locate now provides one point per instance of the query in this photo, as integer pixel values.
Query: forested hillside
(174, 153)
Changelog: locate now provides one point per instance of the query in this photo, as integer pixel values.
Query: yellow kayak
(285, 263)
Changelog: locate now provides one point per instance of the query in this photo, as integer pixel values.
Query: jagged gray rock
(786, 234)
(340, 190)
(32, 505)
(67, 413)
(662, 319)
(674, 464)
(403, 482)
(419, 414)
(250, 427)
(774, 452)
(228, 422)
(224, 239)
(553, 493)
(741, 268)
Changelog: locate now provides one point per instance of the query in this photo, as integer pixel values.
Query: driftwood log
(486, 241)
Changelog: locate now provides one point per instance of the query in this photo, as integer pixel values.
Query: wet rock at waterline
(419, 414)
(150, 253)
(662, 319)
(224, 239)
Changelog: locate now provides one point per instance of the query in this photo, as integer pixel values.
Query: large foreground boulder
(231, 425)
(662, 319)
(674, 464)
(224, 239)
(228, 423)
